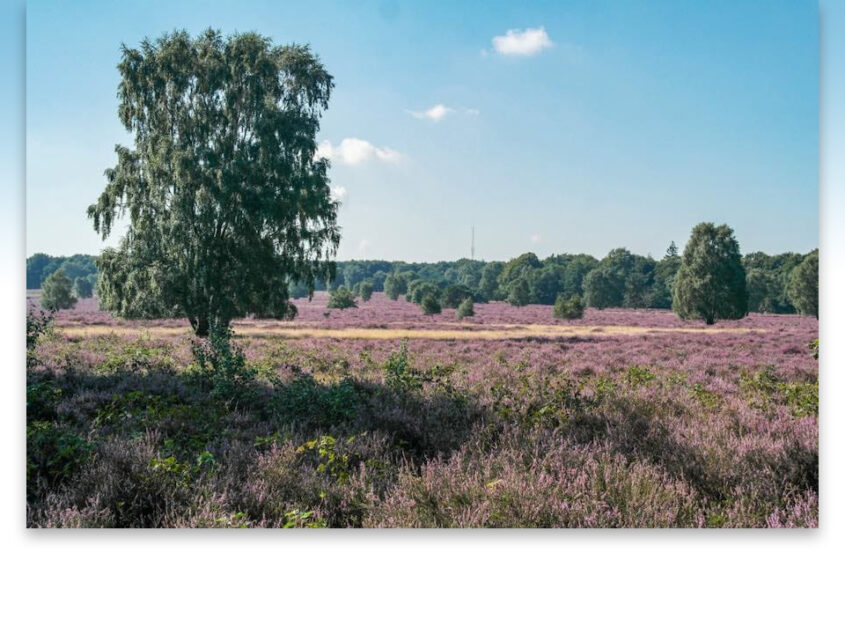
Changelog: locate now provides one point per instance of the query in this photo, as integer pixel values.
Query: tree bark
(200, 325)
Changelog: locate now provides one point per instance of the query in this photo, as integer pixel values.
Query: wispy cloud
(339, 193)
(363, 245)
(435, 113)
(352, 151)
(439, 111)
(523, 43)
(536, 238)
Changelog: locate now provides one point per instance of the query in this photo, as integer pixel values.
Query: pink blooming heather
(655, 428)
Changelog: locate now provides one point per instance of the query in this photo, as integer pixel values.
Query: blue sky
(562, 127)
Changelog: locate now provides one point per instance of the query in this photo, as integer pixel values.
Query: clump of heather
(656, 429)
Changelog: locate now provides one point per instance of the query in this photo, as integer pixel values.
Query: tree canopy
(804, 285)
(56, 292)
(710, 283)
(227, 202)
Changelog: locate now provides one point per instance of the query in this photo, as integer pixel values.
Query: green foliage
(803, 287)
(227, 199)
(342, 298)
(399, 374)
(53, 454)
(418, 289)
(519, 292)
(40, 266)
(601, 289)
(639, 375)
(222, 366)
(488, 287)
(430, 305)
(763, 289)
(82, 287)
(814, 348)
(302, 519)
(517, 268)
(56, 292)
(304, 399)
(331, 459)
(571, 308)
(395, 285)
(37, 325)
(466, 309)
(710, 283)
(365, 290)
(454, 294)
(137, 357)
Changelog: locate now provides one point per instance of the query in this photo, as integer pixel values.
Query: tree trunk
(200, 325)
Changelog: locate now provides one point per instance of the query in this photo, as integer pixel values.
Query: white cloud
(363, 245)
(435, 113)
(526, 42)
(352, 151)
(339, 193)
(536, 237)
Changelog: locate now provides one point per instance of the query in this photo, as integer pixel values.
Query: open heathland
(383, 416)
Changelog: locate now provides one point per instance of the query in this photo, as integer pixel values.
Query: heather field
(380, 416)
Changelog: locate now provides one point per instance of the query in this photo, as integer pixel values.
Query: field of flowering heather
(380, 416)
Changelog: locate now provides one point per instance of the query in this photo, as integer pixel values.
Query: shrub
(223, 366)
(418, 289)
(571, 308)
(342, 298)
(430, 305)
(454, 294)
(365, 291)
(56, 292)
(466, 308)
(82, 287)
(395, 285)
(37, 325)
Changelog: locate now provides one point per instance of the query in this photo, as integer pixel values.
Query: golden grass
(511, 331)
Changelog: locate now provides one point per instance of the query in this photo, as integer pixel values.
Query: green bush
(430, 305)
(342, 298)
(571, 308)
(223, 366)
(365, 290)
(56, 292)
(466, 309)
(82, 287)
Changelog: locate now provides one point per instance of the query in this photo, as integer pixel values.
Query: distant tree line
(80, 270)
(620, 279)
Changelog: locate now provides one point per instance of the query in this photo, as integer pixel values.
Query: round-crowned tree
(342, 298)
(56, 292)
(710, 283)
(395, 285)
(803, 289)
(466, 309)
(571, 308)
(430, 305)
(82, 287)
(365, 290)
(228, 199)
(519, 292)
